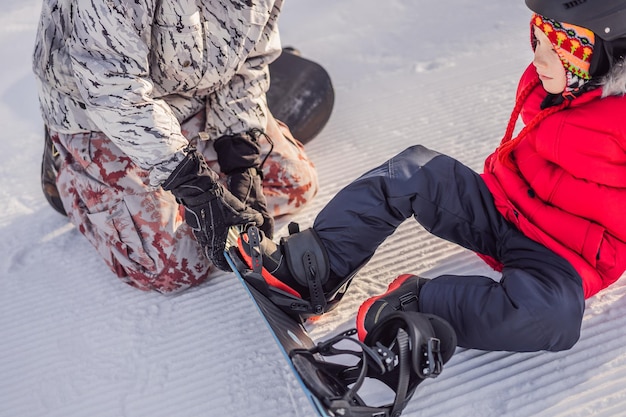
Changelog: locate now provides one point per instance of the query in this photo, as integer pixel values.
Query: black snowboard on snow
(289, 334)
(401, 350)
(301, 94)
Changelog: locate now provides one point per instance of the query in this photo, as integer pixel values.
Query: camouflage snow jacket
(135, 69)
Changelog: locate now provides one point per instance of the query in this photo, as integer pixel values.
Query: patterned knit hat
(574, 44)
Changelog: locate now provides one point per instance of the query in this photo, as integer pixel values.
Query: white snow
(76, 342)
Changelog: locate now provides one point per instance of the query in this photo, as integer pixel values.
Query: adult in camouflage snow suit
(147, 102)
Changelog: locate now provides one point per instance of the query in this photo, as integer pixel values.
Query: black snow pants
(537, 305)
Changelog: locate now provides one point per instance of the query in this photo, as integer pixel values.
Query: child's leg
(447, 198)
(139, 232)
(537, 305)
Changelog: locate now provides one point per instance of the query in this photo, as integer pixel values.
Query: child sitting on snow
(546, 211)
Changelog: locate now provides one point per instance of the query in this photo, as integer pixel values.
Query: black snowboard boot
(50, 164)
(297, 267)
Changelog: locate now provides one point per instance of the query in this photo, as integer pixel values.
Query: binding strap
(255, 260)
(308, 264)
(400, 352)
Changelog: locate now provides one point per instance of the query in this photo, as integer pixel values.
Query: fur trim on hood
(614, 83)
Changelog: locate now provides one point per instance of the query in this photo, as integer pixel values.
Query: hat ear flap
(601, 59)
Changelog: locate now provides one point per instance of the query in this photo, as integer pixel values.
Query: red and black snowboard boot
(295, 273)
(401, 295)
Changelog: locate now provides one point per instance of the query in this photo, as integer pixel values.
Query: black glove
(239, 157)
(210, 209)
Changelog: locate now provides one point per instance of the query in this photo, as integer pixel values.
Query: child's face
(548, 63)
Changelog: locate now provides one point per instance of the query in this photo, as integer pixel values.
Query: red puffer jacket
(565, 185)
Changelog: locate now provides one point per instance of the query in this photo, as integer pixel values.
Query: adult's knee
(172, 278)
(177, 266)
(294, 188)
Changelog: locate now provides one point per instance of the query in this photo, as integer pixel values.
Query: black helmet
(605, 18)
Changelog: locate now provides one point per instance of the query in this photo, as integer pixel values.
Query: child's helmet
(606, 18)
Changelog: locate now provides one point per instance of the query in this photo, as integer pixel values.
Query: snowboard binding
(401, 351)
(307, 262)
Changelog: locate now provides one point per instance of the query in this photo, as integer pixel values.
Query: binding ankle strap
(308, 263)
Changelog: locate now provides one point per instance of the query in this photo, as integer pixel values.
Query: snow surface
(76, 342)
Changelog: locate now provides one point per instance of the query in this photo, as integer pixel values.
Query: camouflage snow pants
(140, 231)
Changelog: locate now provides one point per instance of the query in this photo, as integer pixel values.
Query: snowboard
(401, 351)
(288, 333)
(301, 94)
